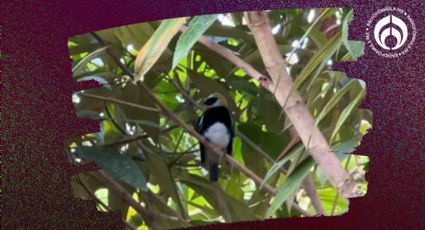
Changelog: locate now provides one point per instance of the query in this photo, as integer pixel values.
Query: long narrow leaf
(290, 185)
(79, 67)
(198, 25)
(335, 99)
(346, 113)
(275, 167)
(156, 45)
(325, 53)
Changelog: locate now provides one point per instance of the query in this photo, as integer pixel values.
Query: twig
(137, 137)
(114, 100)
(115, 58)
(221, 203)
(337, 195)
(311, 192)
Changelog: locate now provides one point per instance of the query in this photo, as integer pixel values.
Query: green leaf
(160, 173)
(83, 181)
(290, 185)
(156, 204)
(234, 186)
(336, 99)
(238, 209)
(207, 86)
(273, 119)
(115, 164)
(347, 112)
(327, 198)
(323, 54)
(99, 76)
(269, 142)
(147, 120)
(229, 32)
(81, 64)
(156, 45)
(345, 147)
(355, 48)
(276, 166)
(197, 26)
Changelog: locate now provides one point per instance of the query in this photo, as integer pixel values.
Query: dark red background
(38, 115)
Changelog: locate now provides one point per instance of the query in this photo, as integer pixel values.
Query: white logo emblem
(393, 32)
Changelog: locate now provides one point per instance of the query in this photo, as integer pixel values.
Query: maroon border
(38, 116)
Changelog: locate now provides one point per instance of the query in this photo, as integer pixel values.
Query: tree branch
(311, 192)
(110, 99)
(294, 106)
(226, 53)
(136, 137)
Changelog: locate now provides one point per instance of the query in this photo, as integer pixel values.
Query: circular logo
(390, 32)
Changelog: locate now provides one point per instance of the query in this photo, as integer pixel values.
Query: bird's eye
(211, 101)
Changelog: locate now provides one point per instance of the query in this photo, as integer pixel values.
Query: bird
(216, 125)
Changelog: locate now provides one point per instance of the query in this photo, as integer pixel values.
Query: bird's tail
(213, 172)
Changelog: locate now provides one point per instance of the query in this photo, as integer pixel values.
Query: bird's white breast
(218, 134)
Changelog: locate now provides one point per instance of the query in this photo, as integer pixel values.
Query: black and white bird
(217, 126)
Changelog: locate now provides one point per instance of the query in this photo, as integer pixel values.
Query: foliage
(148, 154)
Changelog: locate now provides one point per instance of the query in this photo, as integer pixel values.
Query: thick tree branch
(294, 106)
(224, 52)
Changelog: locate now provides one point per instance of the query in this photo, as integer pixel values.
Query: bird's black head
(211, 101)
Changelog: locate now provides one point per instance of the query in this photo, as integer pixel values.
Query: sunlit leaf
(81, 64)
(153, 49)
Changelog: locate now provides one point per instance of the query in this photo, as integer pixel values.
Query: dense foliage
(157, 161)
